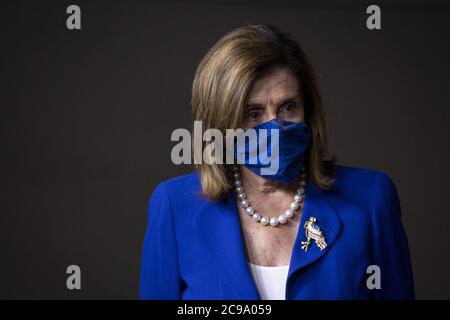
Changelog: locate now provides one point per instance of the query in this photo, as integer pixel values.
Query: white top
(270, 281)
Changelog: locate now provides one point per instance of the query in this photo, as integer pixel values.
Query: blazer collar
(218, 226)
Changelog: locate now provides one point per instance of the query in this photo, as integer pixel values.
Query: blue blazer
(194, 249)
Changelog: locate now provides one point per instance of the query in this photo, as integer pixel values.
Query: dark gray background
(86, 118)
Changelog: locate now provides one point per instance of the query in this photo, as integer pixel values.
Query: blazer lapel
(218, 225)
(316, 205)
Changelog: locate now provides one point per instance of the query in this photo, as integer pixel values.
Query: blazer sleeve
(159, 277)
(391, 251)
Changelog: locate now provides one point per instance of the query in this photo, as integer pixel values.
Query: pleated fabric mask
(278, 152)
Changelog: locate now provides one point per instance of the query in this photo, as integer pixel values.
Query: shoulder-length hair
(223, 81)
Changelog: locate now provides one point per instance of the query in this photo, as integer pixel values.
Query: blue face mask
(278, 153)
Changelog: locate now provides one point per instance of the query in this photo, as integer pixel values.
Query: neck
(254, 183)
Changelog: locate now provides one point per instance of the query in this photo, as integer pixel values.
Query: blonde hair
(223, 81)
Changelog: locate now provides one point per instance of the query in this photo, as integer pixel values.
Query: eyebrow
(284, 100)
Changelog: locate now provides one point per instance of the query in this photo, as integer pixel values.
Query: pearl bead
(282, 219)
(289, 213)
(301, 191)
(249, 210)
(294, 205)
(264, 221)
(237, 175)
(297, 198)
(239, 190)
(245, 203)
(238, 183)
(302, 183)
(256, 216)
(241, 196)
(235, 168)
(273, 221)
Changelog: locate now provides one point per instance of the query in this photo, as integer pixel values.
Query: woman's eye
(288, 108)
(253, 115)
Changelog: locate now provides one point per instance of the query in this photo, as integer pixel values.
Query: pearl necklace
(298, 202)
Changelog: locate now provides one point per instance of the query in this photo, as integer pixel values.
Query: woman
(310, 230)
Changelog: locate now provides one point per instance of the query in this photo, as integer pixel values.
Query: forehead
(275, 85)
